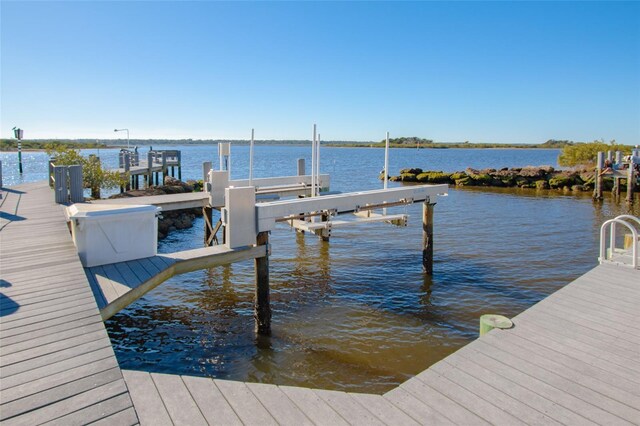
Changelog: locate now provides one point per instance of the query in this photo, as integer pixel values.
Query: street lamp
(124, 130)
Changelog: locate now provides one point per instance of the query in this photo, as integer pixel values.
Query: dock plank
(215, 409)
(180, 405)
(146, 399)
(313, 406)
(281, 408)
(244, 403)
(348, 408)
(384, 410)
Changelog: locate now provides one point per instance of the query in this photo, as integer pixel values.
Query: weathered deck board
(57, 363)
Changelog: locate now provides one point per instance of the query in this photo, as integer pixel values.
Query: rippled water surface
(357, 313)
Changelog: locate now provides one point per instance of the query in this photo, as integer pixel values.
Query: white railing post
(251, 160)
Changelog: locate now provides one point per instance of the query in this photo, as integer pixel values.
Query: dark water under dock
(357, 313)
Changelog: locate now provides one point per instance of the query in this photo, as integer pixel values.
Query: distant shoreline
(31, 146)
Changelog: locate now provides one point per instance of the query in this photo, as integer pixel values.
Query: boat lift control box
(105, 234)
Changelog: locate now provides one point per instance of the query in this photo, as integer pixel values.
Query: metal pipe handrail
(612, 223)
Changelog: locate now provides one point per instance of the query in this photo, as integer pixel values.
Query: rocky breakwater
(541, 177)
(171, 220)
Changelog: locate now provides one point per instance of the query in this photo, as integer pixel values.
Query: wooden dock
(57, 362)
(572, 359)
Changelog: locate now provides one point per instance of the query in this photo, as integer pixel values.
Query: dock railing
(66, 182)
(626, 255)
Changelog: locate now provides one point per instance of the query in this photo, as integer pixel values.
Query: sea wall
(171, 220)
(542, 177)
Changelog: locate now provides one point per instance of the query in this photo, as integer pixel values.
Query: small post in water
(262, 307)
(427, 236)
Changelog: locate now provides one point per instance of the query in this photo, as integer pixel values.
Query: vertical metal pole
(313, 162)
(20, 157)
(251, 160)
(427, 236)
(386, 168)
(386, 162)
(262, 305)
(301, 167)
(318, 166)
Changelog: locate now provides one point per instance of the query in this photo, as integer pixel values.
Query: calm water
(357, 313)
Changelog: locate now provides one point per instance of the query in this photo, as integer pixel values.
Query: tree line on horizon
(573, 153)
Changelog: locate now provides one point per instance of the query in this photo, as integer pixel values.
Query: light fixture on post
(124, 130)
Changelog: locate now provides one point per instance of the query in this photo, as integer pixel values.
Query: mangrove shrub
(585, 154)
(94, 176)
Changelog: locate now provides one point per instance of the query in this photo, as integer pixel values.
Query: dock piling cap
(496, 321)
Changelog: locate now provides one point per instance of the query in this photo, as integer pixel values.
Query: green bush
(586, 153)
(94, 176)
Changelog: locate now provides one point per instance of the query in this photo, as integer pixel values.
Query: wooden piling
(149, 176)
(597, 192)
(427, 236)
(207, 213)
(262, 307)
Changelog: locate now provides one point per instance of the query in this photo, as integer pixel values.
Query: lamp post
(124, 130)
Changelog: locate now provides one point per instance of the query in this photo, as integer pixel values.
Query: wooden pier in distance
(572, 359)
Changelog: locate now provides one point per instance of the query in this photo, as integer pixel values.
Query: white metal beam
(268, 213)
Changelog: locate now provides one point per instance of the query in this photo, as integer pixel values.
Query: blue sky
(451, 71)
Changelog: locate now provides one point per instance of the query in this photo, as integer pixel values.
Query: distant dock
(573, 358)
